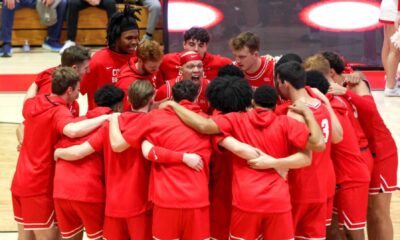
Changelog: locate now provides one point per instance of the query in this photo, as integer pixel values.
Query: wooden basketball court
(10, 115)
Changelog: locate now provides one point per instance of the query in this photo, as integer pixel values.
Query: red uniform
(43, 81)
(127, 181)
(169, 68)
(104, 68)
(352, 173)
(128, 74)
(362, 138)
(264, 74)
(382, 144)
(35, 168)
(176, 190)
(312, 186)
(220, 189)
(262, 194)
(79, 188)
(165, 93)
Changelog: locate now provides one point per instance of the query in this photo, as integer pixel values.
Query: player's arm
(163, 155)
(82, 128)
(197, 122)
(337, 130)
(73, 153)
(355, 93)
(32, 91)
(297, 160)
(247, 152)
(238, 148)
(20, 135)
(118, 142)
(302, 113)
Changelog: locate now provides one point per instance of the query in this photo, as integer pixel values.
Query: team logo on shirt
(115, 72)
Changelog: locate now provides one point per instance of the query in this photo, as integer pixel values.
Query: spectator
(53, 32)
(154, 8)
(74, 6)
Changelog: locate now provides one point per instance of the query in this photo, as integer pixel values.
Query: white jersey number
(325, 129)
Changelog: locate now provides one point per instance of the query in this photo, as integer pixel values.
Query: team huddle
(192, 145)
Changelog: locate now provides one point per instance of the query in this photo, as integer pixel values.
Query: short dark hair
(121, 21)
(62, 79)
(197, 33)
(185, 90)
(229, 94)
(266, 96)
(74, 55)
(317, 80)
(288, 57)
(230, 70)
(335, 61)
(292, 72)
(140, 93)
(108, 96)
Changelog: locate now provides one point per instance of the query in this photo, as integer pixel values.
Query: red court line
(21, 82)
(15, 82)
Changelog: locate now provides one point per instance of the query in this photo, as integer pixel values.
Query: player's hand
(353, 79)
(166, 104)
(193, 160)
(300, 108)
(264, 161)
(19, 147)
(10, 4)
(337, 89)
(113, 116)
(56, 154)
(146, 147)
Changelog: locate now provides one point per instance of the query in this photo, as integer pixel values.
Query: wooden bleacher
(91, 27)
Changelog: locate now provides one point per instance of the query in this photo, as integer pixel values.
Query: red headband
(190, 57)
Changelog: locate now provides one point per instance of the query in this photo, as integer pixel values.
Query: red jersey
(43, 82)
(104, 68)
(349, 166)
(126, 173)
(315, 183)
(264, 74)
(81, 180)
(45, 118)
(165, 93)
(174, 185)
(262, 191)
(169, 68)
(128, 74)
(380, 139)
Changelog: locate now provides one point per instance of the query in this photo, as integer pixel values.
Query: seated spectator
(7, 18)
(154, 8)
(74, 6)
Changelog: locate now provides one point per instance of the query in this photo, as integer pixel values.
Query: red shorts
(309, 220)
(367, 157)
(248, 225)
(352, 205)
(35, 213)
(184, 224)
(137, 227)
(384, 176)
(73, 216)
(329, 211)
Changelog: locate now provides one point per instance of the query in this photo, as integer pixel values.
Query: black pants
(74, 6)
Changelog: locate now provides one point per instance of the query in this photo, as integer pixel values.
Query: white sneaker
(395, 92)
(67, 44)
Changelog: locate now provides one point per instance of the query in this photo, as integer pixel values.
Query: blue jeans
(7, 18)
